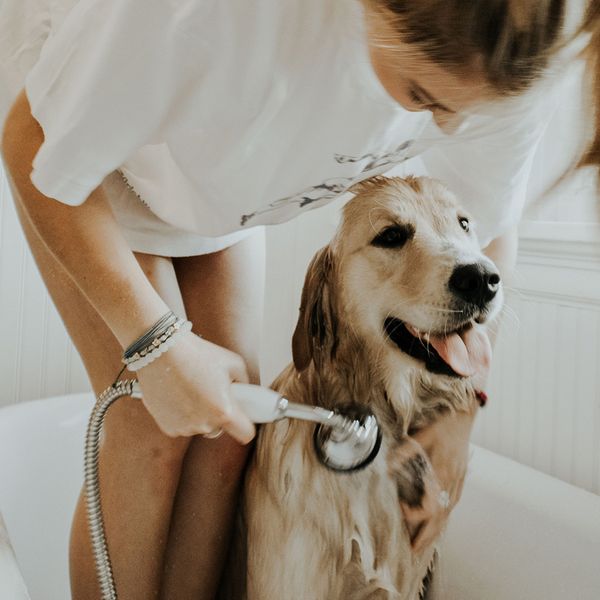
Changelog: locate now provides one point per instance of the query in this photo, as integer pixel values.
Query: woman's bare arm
(85, 239)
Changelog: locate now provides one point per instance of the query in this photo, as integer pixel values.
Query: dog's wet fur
(311, 533)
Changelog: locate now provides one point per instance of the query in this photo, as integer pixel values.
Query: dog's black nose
(476, 283)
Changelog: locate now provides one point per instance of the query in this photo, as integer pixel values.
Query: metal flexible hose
(342, 443)
(118, 389)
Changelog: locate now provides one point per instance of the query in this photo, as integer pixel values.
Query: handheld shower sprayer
(343, 442)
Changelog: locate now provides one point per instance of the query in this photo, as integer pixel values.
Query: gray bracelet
(157, 340)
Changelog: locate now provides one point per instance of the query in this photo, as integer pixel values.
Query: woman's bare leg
(139, 466)
(223, 297)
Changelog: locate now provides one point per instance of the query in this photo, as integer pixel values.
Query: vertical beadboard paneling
(290, 247)
(37, 359)
(595, 382)
(527, 389)
(586, 400)
(505, 432)
(567, 395)
(545, 387)
(545, 366)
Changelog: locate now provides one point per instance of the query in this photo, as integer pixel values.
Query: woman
(151, 141)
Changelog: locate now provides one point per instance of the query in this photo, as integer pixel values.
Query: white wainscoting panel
(37, 358)
(544, 408)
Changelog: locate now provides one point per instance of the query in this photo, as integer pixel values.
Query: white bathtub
(41, 470)
(516, 535)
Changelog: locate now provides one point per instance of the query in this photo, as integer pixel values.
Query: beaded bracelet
(157, 340)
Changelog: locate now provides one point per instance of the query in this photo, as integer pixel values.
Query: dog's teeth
(417, 332)
(413, 330)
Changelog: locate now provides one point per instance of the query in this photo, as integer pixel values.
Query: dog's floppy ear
(315, 332)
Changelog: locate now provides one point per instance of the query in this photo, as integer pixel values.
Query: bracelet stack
(157, 340)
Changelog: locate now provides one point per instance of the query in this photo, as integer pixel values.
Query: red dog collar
(481, 397)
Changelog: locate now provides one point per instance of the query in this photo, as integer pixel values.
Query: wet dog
(387, 321)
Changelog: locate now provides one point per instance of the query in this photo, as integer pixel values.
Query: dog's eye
(394, 236)
(464, 223)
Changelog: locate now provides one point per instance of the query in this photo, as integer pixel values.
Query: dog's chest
(335, 527)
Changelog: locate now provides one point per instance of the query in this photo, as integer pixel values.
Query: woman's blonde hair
(591, 25)
(510, 41)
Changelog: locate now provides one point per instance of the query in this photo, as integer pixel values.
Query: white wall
(545, 394)
(545, 404)
(544, 408)
(37, 358)
(545, 389)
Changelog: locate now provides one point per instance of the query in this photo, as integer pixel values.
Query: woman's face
(417, 83)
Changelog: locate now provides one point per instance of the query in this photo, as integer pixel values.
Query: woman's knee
(131, 435)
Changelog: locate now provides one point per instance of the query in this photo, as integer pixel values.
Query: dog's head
(404, 278)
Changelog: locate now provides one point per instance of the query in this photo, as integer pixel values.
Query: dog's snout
(476, 283)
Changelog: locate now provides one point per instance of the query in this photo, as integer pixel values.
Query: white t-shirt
(226, 114)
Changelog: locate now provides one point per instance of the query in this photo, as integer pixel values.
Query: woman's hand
(187, 390)
(430, 468)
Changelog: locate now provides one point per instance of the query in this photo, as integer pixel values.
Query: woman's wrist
(135, 313)
(156, 341)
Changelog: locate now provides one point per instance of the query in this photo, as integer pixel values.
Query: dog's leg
(233, 581)
(360, 584)
(287, 555)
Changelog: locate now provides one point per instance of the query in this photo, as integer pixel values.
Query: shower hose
(342, 443)
(104, 572)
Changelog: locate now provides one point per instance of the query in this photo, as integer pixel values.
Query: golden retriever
(386, 322)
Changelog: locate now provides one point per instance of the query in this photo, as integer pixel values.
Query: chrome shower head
(350, 442)
(345, 440)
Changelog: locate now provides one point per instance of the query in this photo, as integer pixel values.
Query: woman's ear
(315, 333)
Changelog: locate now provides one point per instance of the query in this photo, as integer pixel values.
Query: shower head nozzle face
(352, 443)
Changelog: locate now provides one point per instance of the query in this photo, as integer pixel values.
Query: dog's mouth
(459, 353)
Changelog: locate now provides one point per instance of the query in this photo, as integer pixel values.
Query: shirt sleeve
(488, 164)
(107, 82)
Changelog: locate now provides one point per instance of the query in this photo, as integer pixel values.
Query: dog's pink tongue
(467, 353)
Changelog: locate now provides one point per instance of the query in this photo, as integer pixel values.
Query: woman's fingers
(424, 520)
(239, 426)
(437, 476)
(232, 419)
(426, 523)
(187, 390)
(426, 535)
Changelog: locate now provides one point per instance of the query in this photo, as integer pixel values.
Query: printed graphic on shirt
(377, 164)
